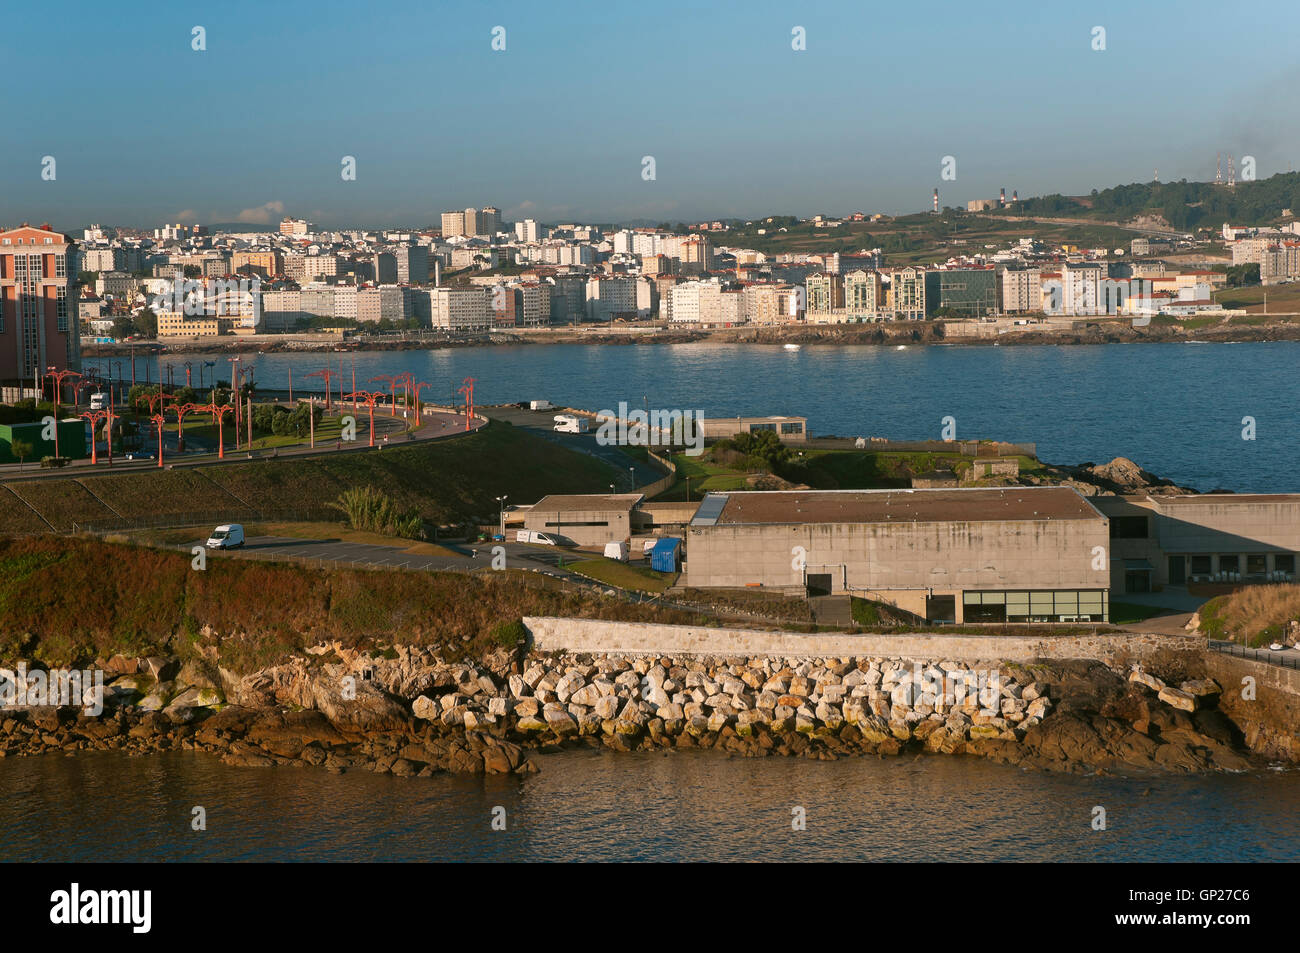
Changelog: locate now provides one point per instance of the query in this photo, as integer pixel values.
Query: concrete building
(460, 309)
(453, 223)
(789, 429)
(1022, 554)
(295, 226)
(38, 304)
(610, 297)
(590, 520)
(1158, 541)
(1022, 290)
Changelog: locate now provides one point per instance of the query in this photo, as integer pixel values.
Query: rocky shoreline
(930, 333)
(405, 712)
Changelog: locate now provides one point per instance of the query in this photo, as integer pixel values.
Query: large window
(1201, 566)
(1065, 605)
(1229, 564)
(1256, 565)
(1128, 527)
(1284, 562)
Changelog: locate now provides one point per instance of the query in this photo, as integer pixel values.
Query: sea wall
(551, 634)
(1263, 700)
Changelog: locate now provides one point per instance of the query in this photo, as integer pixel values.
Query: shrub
(374, 511)
(509, 634)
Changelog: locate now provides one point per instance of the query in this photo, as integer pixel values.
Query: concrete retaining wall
(640, 638)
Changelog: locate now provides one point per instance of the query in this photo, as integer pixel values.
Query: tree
(147, 322)
(124, 327)
(21, 449)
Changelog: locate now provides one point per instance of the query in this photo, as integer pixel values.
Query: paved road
(437, 425)
(542, 423)
(466, 557)
(1287, 657)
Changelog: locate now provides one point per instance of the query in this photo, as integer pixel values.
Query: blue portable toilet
(664, 556)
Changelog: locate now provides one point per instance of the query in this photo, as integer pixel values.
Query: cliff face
(1263, 701)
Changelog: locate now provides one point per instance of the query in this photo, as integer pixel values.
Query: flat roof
(559, 503)
(898, 506)
(1206, 499)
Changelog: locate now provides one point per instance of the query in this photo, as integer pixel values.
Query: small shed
(666, 554)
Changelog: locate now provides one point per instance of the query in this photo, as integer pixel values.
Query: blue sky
(144, 129)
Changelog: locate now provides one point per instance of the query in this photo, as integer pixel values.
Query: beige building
(1022, 290)
(588, 520)
(1159, 541)
(1021, 554)
(907, 294)
(789, 429)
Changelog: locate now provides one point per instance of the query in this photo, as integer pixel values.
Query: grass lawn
(623, 576)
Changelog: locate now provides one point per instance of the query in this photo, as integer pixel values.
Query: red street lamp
(368, 397)
(158, 399)
(160, 420)
(392, 387)
(467, 388)
(328, 374)
(189, 366)
(417, 388)
(219, 415)
(59, 378)
(181, 410)
(93, 416)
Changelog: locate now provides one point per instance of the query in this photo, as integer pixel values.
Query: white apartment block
(1022, 289)
(460, 309)
(529, 231)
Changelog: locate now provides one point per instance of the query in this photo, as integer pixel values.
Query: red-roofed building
(38, 304)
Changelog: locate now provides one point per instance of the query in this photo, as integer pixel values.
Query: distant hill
(1185, 205)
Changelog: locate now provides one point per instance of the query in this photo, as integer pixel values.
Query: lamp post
(417, 388)
(181, 411)
(391, 380)
(219, 412)
(94, 416)
(502, 501)
(368, 398)
(467, 388)
(160, 420)
(631, 471)
(59, 377)
(328, 374)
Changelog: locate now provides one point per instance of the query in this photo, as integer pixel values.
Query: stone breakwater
(405, 711)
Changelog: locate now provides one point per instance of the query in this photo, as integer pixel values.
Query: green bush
(374, 511)
(509, 634)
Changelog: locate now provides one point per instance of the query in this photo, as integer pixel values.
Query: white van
(99, 401)
(539, 405)
(530, 536)
(226, 536)
(616, 551)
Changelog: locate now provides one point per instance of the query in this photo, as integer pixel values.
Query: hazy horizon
(555, 126)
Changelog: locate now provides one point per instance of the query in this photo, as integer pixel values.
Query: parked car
(226, 536)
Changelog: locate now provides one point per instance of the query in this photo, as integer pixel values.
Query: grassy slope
(1253, 615)
(67, 601)
(446, 481)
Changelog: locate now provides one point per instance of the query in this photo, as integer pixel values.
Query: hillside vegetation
(445, 482)
(1254, 615)
(67, 601)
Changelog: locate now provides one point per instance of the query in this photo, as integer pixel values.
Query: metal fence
(1256, 655)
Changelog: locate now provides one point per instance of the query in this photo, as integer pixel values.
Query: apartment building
(970, 292)
(907, 294)
(385, 303)
(460, 309)
(1022, 290)
(295, 226)
(453, 223)
(612, 296)
(38, 304)
(705, 302)
(864, 296)
(771, 304)
(825, 292)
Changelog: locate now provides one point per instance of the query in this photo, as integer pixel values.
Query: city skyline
(556, 126)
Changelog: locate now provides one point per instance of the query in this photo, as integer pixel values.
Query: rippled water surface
(1175, 408)
(646, 806)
